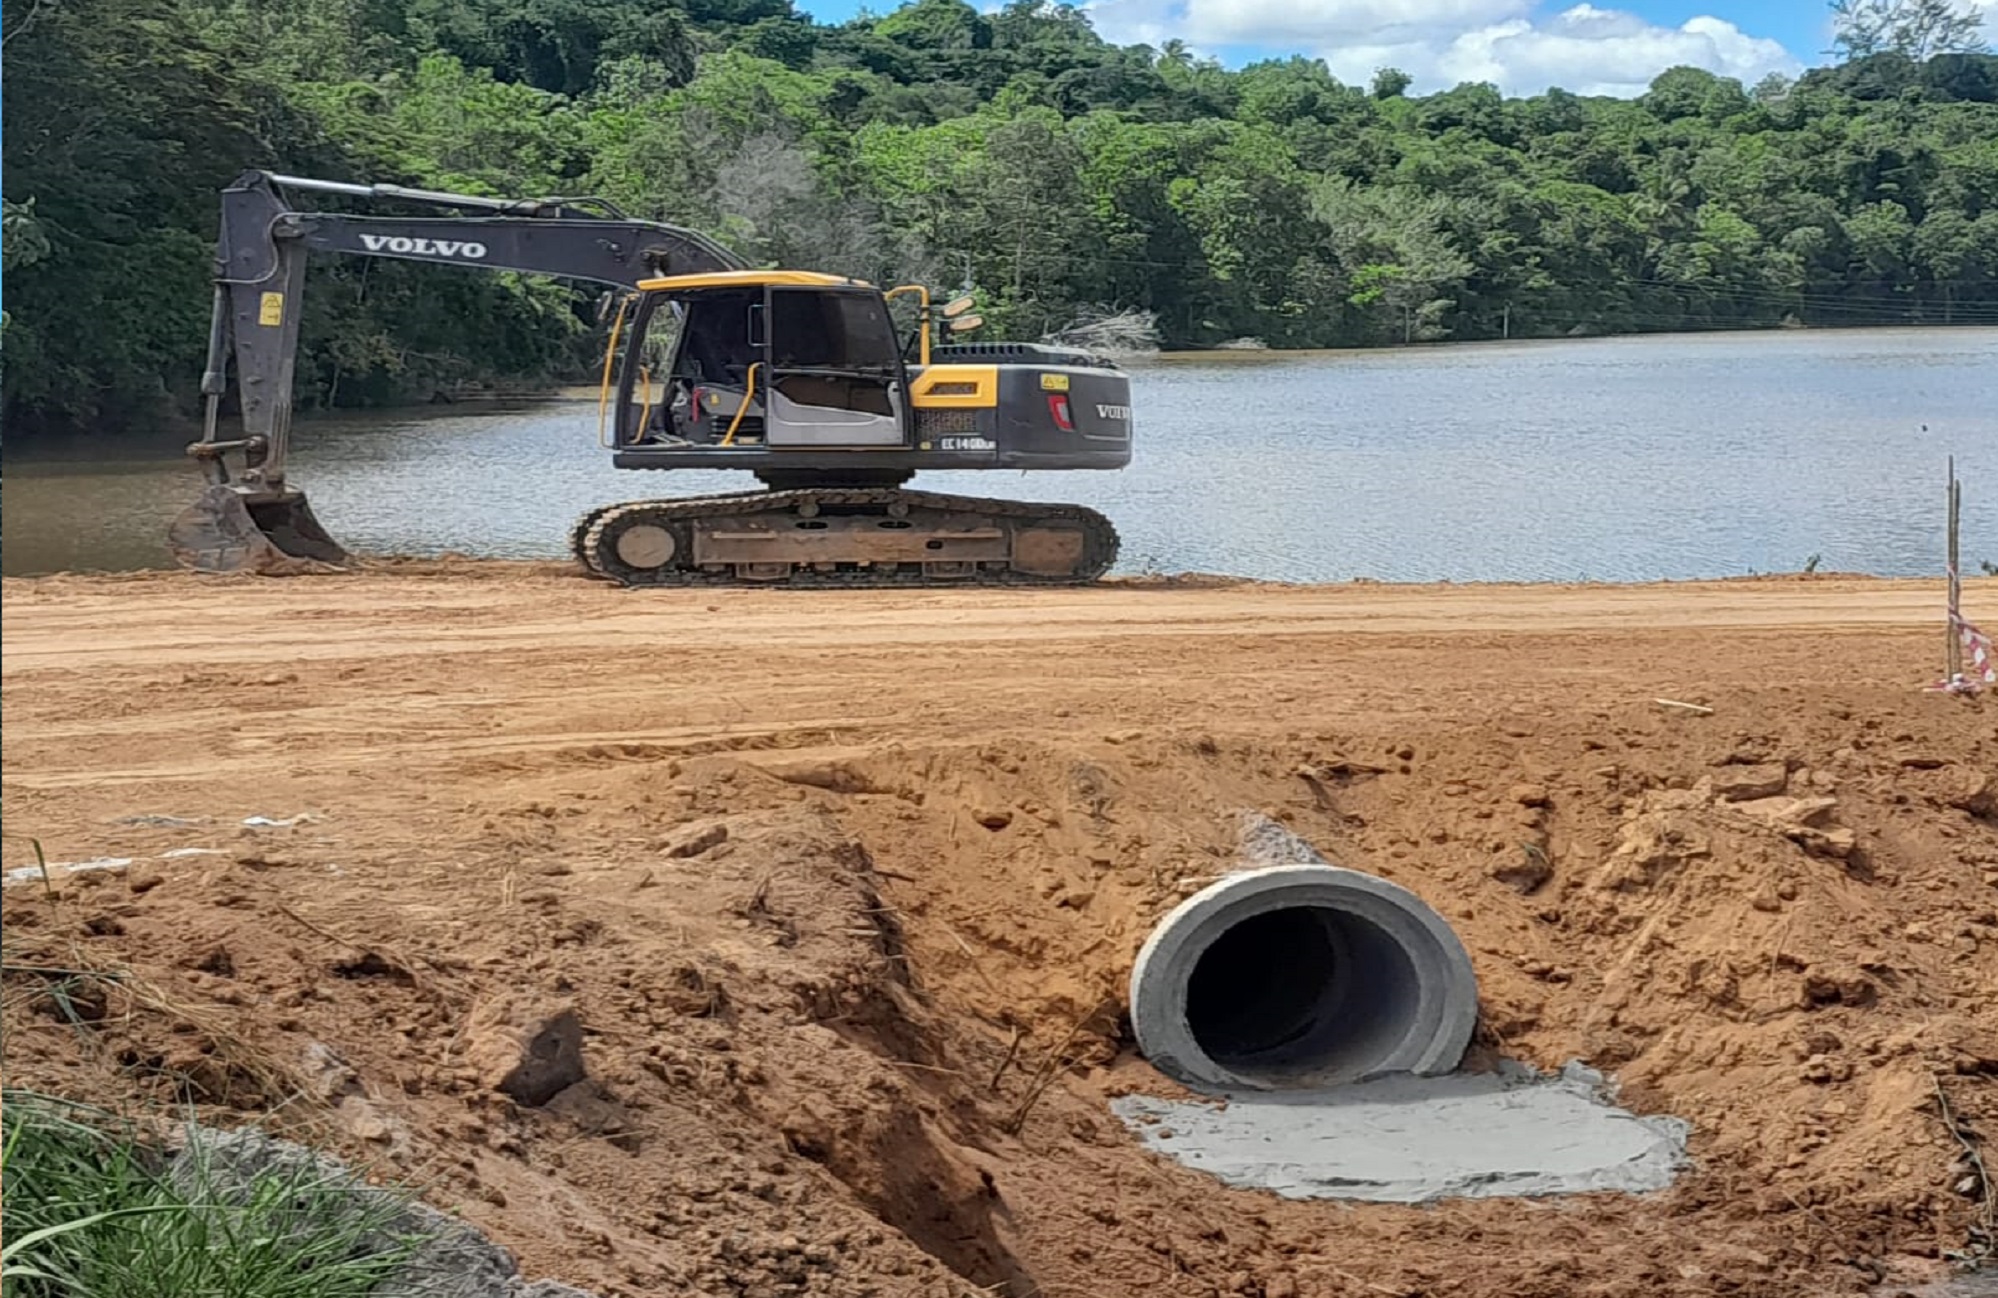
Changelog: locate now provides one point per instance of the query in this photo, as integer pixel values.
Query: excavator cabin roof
(752, 279)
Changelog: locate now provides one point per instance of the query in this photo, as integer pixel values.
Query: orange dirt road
(446, 608)
(120, 680)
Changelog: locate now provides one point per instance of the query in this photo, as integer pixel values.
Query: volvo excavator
(803, 379)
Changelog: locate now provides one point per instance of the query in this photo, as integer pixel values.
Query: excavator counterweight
(800, 378)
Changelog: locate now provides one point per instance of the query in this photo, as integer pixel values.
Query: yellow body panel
(956, 387)
(752, 279)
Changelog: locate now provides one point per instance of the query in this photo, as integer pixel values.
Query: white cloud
(1603, 52)
(1586, 49)
(1271, 22)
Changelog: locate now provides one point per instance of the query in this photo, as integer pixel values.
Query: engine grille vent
(935, 423)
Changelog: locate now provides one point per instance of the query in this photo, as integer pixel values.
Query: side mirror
(967, 324)
(957, 307)
(756, 330)
(604, 304)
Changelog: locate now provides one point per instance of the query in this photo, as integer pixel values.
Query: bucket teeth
(226, 530)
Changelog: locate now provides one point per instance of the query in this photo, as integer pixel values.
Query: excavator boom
(254, 520)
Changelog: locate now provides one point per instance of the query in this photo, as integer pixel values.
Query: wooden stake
(1953, 660)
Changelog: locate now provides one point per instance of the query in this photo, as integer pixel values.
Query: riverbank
(841, 890)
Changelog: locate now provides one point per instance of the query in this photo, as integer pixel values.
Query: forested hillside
(1017, 151)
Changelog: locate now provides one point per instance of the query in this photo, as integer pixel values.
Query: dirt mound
(845, 998)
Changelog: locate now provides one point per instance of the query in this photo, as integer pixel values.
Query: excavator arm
(255, 520)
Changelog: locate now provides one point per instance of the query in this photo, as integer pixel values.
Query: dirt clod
(1748, 783)
(1973, 791)
(528, 1053)
(697, 839)
(1525, 871)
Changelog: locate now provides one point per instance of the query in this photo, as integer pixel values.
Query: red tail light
(1058, 407)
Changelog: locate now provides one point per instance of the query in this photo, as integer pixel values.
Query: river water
(1621, 459)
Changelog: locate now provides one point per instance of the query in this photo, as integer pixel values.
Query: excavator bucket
(226, 530)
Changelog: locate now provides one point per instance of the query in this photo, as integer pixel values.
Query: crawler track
(690, 523)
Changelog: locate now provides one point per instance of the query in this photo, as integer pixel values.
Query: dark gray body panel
(1021, 433)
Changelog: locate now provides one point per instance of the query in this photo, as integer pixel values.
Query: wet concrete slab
(1982, 1283)
(1513, 1132)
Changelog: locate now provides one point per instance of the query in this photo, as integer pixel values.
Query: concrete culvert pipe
(1302, 976)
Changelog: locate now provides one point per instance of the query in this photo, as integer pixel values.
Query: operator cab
(764, 360)
(805, 379)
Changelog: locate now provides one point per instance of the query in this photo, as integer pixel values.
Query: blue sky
(1588, 46)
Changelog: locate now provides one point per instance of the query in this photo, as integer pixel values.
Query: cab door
(834, 376)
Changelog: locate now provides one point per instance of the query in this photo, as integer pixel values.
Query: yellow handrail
(610, 353)
(923, 349)
(728, 438)
(645, 410)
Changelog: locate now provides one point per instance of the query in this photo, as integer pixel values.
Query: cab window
(813, 329)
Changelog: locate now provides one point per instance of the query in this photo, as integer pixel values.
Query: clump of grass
(96, 1206)
(94, 996)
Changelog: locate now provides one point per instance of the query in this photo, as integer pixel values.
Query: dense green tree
(1011, 150)
(121, 125)
(937, 25)
(728, 14)
(554, 45)
(22, 242)
(1400, 261)
(1391, 83)
(789, 40)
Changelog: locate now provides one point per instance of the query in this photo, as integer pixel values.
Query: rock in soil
(531, 1053)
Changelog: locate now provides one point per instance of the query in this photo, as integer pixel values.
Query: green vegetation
(1063, 176)
(93, 1207)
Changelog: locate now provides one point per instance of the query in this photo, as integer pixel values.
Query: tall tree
(1915, 28)
(1391, 83)
(1399, 258)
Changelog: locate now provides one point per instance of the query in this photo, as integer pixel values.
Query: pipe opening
(1301, 976)
(1301, 991)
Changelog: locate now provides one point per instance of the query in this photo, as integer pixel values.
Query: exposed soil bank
(835, 897)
